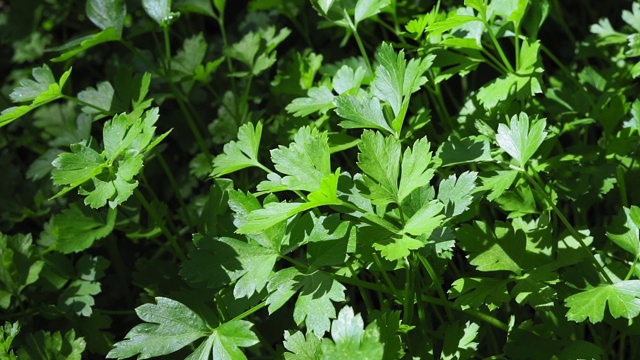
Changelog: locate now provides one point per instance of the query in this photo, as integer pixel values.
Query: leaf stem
(354, 30)
(250, 311)
(436, 281)
(156, 218)
(503, 57)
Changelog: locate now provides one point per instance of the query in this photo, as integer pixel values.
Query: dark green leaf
(107, 14)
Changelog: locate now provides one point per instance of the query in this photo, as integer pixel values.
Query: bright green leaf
(361, 113)
(350, 339)
(84, 43)
(158, 10)
(319, 99)
(415, 171)
(301, 347)
(624, 230)
(425, 220)
(169, 326)
(456, 193)
(379, 158)
(623, 298)
(368, 8)
(519, 140)
(107, 14)
(239, 154)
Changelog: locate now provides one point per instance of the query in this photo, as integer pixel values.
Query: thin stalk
(517, 46)
(494, 62)
(156, 218)
(250, 311)
(567, 224)
(503, 57)
(167, 50)
(365, 296)
(174, 186)
(475, 313)
(358, 41)
(436, 281)
(409, 293)
(386, 277)
(192, 124)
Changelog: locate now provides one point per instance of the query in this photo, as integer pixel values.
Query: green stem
(386, 277)
(475, 313)
(436, 281)
(567, 224)
(174, 186)
(158, 220)
(250, 311)
(365, 296)
(409, 293)
(358, 41)
(504, 59)
(569, 75)
(191, 123)
(362, 284)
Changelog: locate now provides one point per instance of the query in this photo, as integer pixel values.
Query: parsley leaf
(76, 228)
(314, 305)
(239, 154)
(361, 112)
(41, 91)
(126, 139)
(455, 193)
(169, 326)
(379, 158)
(301, 347)
(350, 339)
(624, 231)
(107, 14)
(519, 139)
(623, 298)
(319, 99)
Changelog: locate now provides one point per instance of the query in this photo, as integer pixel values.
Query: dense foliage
(324, 179)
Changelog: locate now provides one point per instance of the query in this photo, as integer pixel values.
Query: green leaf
(498, 183)
(379, 158)
(78, 166)
(20, 266)
(126, 139)
(347, 79)
(314, 305)
(239, 154)
(455, 193)
(84, 43)
(76, 228)
(305, 162)
(52, 346)
(459, 342)
(41, 91)
(107, 14)
(415, 170)
(255, 49)
(319, 99)
(456, 151)
(395, 80)
(425, 220)
(328, 241)
(496, 247)
(229, 337)
(624, 230)
(351, 340)
(8, 332)
(623, 298)
(30, 89)
(394, 248)
(301, 347)
(99, 97)
(519, 140)
(276, 212)
(476, 292)
(159, 11)
(368, 8)
(169, 326)
(190, 56)
(451, 22)
(78, 297)
(361, 113)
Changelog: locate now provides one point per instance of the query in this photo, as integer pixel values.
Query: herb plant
(323, 179)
